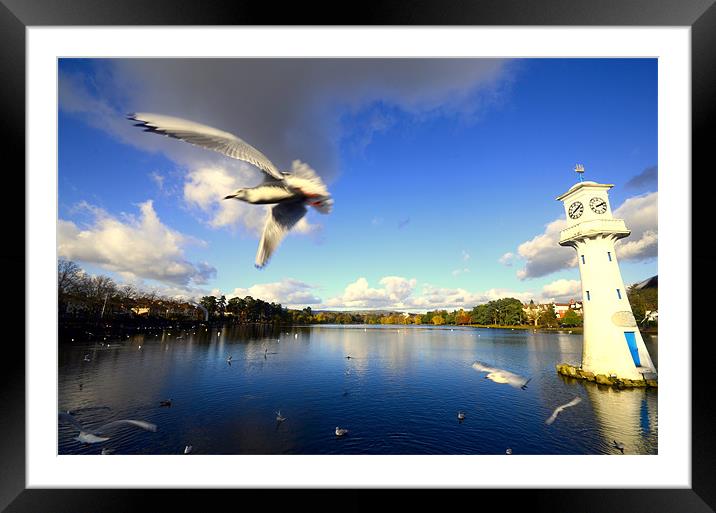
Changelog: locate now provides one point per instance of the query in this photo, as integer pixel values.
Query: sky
(444, 173)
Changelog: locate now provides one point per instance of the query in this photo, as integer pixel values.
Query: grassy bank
(525, 327)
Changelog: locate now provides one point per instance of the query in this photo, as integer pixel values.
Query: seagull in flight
(95, 436)
(502, 375)
(559, 409)
(290, 193)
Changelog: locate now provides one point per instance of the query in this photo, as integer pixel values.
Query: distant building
(533, 310)
(562, 308)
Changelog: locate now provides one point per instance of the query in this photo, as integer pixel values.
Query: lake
(399, 393)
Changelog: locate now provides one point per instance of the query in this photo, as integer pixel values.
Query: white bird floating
(188, 449)
(279, 417)
(341, 431)
(290, 192)
(559, 409)
(95, 436)
(501, 375)
(461, 415)
(618, 445)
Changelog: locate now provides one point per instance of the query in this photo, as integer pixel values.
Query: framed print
(416, 249)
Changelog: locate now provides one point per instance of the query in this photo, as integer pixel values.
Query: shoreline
(78, 330)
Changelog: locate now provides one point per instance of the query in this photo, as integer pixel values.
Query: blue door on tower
(631, 342)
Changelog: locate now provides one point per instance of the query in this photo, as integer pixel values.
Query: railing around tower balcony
(595, 227)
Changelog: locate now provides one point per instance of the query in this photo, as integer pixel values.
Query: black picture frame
(17, 15)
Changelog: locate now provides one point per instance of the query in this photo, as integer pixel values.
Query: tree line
(97, 298)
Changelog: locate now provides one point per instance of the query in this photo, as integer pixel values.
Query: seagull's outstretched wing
(280, 220)
(501, 375)
(559, 409)
(481, 367)
(206, 137)
(138, 423)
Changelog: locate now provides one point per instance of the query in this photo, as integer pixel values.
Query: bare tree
(68, 276)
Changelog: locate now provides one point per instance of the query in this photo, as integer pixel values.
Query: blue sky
(444, 175)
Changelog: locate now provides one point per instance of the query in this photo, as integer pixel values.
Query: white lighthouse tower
(612, 342)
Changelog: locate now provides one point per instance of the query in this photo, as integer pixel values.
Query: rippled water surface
(399, 393)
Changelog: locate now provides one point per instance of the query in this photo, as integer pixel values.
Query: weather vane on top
(579, 169)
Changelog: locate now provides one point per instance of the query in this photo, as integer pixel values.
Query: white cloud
(158, 179)
(507, 259)
(645, 247)
(641, 216)
(543, 255)
(136, 248)
(562, 290)
(458, 272)
(398, 293)
(398, 288)
(206, 187)
(440, 297)
(465, 255)
(288, 292)
(395, 291)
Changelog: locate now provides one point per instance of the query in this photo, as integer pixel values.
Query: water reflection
(627, 416)
(399, 393)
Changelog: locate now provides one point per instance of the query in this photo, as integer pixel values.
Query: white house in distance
(612, 343)
(562, 308)
(533, 310)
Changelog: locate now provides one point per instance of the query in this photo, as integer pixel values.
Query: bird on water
(290, 193)
(341, 431)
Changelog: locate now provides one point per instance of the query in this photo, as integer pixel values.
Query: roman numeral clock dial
(576, 209)
(598, 205)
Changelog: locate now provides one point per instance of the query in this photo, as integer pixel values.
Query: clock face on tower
(598, 205)
(576, 209)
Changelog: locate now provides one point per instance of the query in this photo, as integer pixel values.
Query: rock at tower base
(572, 371)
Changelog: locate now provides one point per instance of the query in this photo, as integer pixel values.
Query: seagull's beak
(230, 196)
